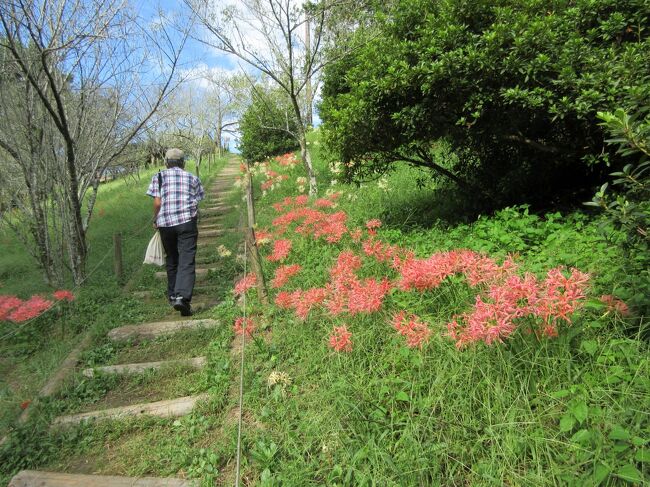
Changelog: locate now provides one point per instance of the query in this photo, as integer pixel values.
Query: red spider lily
(615, 305)
(262, 237)
(283, 274)
(287, 160)
(323, 203)
(33, 307)
(367, 296)
(304, 301)
(245, 283)
(494, 316)
(244, 326)
(408, 325)
(8, 304)
(284, 299)
(63, 295)
(356, 235)
(281, 249)
(372, 226)
(341, 339)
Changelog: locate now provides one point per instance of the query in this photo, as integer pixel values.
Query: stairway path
(210, 230)
(32, 478)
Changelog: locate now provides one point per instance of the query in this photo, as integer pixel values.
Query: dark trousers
(180, 245)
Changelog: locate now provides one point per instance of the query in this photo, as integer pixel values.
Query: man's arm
(157, 203)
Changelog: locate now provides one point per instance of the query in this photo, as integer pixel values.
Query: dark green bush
(266, 127)
(513, 86)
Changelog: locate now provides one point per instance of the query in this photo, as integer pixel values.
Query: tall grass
(29, 353)
(532, 411)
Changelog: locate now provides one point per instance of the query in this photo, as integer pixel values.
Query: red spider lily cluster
(345, 293)
(262, 237)
(615, 305)
(341, 339)
(63, 295)
(245, 283)
(283, 274)
(18, 311)
(273, 179)
(412, 328)
(281, 249)
(310, 221)
(287, 160)
(494, 315)
(505, 300)
(244, 326)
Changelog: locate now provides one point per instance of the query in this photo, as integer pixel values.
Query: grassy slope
(573, 410)
(28, 358)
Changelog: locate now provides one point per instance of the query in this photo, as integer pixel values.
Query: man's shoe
(183, 306)
(172, 300)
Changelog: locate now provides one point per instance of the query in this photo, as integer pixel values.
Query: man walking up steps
(176, 194)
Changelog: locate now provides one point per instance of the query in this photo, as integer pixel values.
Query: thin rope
(241, 372)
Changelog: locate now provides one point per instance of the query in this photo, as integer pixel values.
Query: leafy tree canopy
(267, 126)
(513, 86)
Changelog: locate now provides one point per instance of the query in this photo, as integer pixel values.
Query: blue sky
(197, 56)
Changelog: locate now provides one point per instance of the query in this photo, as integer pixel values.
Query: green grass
(533, 411)
(29, 354)
(567, 411)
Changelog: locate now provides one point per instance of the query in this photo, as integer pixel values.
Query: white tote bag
(155, 252)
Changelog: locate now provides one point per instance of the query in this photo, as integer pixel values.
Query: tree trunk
(308, 94)
(306, 159)
(76, 233)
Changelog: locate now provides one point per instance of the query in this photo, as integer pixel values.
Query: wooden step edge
(159, 328)
(33, 478)
(196, 362)
(168, 408)
(199, 272)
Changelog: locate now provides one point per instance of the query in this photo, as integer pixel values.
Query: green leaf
(560, 394)
(402, 396)
(580, 411)
(581, 437)
(642, 456)
(630, 473)
(567, 422)
(619, 433)
(590, 346)
(600, 473)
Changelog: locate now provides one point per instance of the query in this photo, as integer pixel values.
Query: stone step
(213, 232)
(210, 226)
(216, 219)
(196, 363)
(204, 290)
(201, 272)
(159, 328)
(169, 408)
(34, 478)
(218, 208)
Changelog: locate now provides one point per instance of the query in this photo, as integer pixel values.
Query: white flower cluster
(336, 167)
(301, 181)
(279, 378)
(223, 251)
(382, 184)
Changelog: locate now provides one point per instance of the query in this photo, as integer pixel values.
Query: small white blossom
(223, 251)
(279, 378)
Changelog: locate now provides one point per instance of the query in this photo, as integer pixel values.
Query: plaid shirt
(180, 193)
